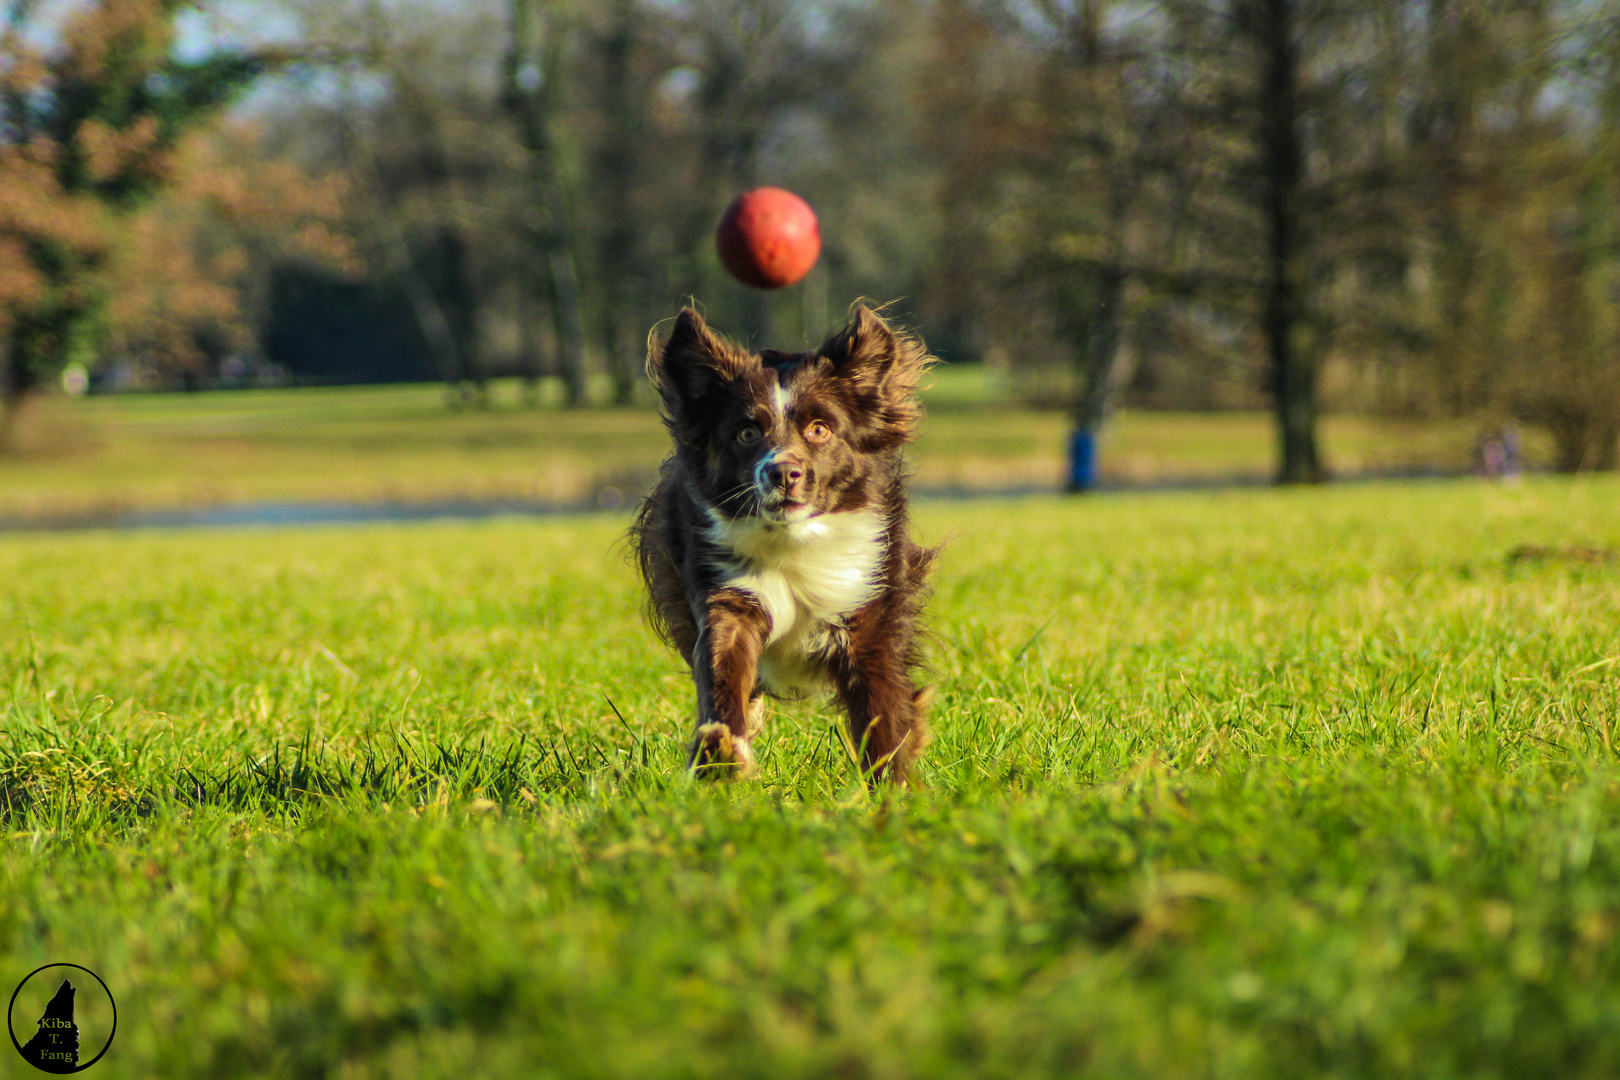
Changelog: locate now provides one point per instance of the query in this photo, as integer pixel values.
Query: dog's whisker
(741, 491)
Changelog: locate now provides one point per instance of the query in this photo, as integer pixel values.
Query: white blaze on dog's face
(789, 436)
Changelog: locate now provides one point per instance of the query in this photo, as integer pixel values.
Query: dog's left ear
(881, 367)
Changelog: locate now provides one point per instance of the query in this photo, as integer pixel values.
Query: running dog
(776, 548)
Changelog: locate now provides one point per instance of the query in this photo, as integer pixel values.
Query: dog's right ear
(693, 363)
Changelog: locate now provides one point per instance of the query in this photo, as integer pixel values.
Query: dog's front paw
(718, 754)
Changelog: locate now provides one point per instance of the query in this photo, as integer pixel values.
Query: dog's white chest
(808, 575)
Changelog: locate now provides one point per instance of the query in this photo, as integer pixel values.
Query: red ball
(768, 238)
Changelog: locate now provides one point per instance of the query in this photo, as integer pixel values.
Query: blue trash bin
(1082, 460)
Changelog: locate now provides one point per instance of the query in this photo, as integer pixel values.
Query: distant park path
(365, 453)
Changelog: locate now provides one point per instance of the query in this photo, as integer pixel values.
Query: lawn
(1224, 785)
(371, 444)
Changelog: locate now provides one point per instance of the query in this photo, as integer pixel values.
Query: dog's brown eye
(818, 432)
(748, 436)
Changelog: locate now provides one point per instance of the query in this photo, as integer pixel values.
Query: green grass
(102, 455)
(1253, 784)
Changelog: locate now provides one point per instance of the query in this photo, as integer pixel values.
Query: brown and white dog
(775, 547)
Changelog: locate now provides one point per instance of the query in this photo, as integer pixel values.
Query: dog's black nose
(785, 474)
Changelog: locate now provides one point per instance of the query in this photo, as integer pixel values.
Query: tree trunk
(463, 312)
(530, 94)
(1101, 372)
(531, 364)
(1608, 447)
(1293, 375)
(1582, 440)
(733, 124)
(11, 394)
(616, 166)
(1105, 366)
(458, 249)
(429, 312)
(563, 296)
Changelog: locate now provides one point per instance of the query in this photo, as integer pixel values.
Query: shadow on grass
(81, 781)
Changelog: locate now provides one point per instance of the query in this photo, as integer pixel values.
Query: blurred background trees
(1303, 205)
(127, 227)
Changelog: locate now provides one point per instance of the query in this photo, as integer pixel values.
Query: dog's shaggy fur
(775, 547)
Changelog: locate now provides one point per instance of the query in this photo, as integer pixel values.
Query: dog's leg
(725, 667)
(887, 711)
